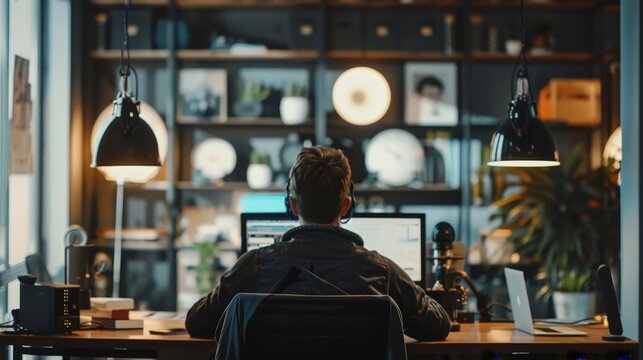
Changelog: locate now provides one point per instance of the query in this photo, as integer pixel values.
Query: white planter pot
(574, 305)
(293, 110)
(259, 176)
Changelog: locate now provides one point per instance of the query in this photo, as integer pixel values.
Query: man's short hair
(319, 181)
(429, 80)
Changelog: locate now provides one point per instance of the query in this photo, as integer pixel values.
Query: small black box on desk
(345, 30)
(49, 308)
(139, 28)
(383, 30)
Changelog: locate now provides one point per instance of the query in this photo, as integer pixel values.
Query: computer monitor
(399, 237)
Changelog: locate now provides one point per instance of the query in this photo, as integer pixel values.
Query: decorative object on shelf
(430, 94)
(260, 90)
(203, 95)
(395, 157)
(573, 101)
(383, 29)
(492, 39)
(212, 160)
(423, 30)
(125, 145)
(101, 31)
(542, 40)
(565, 219)
(449, 33)
(361, 95)
(475, 22)
(523, 140)
(259, 174)
(294, 105)
(613, 153)
(513, 46)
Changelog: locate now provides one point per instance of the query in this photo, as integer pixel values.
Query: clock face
(395, 156)
(214, 158)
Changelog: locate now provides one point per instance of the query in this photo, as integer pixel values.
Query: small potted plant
(249, 101)
(259, 174)
(565, 220)
(294, 104)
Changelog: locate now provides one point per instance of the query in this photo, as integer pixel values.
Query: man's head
(430, 87)
(319, 185)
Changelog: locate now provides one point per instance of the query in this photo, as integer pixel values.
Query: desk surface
(473, 338)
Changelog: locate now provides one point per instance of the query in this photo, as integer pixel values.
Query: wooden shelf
(392, 55)
(444, 4)
(159, 185)
(428, 194)
(241, 122)
(553, 57)
(206, 54)
(135, 3)
(225, 186)
(535, 4)
(242, 3)
(134, 54)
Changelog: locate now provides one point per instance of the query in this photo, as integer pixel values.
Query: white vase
(574, 305)
(259, 176)
(293, 109)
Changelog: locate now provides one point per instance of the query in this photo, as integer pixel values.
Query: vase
(259, 176)
(293, 109)
(574, 305)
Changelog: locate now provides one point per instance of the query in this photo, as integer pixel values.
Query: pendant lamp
(523, 140)
(126, 139)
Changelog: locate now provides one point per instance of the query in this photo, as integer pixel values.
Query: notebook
(522, 311)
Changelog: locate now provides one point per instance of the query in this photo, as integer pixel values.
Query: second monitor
(399, 237)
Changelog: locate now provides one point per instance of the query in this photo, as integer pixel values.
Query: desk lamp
(523, 140)
(361, 95)
(128, 139)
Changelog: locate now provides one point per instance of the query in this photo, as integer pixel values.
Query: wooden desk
(473, 341)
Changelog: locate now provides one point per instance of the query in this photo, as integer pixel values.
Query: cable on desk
(500, 305)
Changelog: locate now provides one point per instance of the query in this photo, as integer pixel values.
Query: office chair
(261, 326)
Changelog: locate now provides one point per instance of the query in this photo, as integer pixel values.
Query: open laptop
(399, 237)
(522, 312)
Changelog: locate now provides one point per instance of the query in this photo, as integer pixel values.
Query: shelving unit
(483, 91)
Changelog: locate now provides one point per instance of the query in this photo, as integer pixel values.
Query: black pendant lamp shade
(127, 139)
(523, 140)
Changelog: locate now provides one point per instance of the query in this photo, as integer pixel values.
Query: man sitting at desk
(319, 193)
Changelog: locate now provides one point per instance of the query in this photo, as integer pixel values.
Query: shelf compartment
(392, 55)
(445, 4)
(206, 54)
(553, 57)
(226, 186)
(241, 122)
(134, 54)
(535, 4)
(427, 194)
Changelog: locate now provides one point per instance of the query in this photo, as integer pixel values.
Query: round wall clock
(395, 156)
(214, 158)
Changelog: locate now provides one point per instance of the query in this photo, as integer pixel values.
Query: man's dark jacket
(337, 256)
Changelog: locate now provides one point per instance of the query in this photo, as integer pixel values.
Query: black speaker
(608, 294)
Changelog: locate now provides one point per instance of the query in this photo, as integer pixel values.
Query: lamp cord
(522, 57)
(126, 66)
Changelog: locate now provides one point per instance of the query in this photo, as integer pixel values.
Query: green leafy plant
(259, 158)
(564, 219)
(253, 91)
(295, 90)
(206, 270)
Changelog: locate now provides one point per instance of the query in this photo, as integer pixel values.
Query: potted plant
(564, 219)
(259, 174)
(294, 104)
(249, 100)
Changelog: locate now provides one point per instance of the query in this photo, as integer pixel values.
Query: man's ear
(293, 205)
(346, 205)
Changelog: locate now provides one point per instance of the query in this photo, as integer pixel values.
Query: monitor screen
(399, 237)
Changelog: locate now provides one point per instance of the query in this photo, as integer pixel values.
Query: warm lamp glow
(139, 174)
(361, 95)
(613, 148)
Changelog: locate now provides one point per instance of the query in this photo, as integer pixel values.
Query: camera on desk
(48, 308)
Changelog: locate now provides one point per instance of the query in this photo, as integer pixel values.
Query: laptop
(522, 312)
(399, 237)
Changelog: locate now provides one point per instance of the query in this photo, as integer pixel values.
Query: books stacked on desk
(113, 313)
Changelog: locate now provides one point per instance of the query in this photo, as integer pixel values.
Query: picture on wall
(259, 90)
(202, 95)
(431, 94)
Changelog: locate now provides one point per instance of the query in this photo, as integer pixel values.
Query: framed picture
(203, 95)
(430, 94)
(259, 90)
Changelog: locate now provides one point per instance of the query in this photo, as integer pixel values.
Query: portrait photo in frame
(431, 94)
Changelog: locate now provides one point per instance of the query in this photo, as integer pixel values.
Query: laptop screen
(399, 237)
